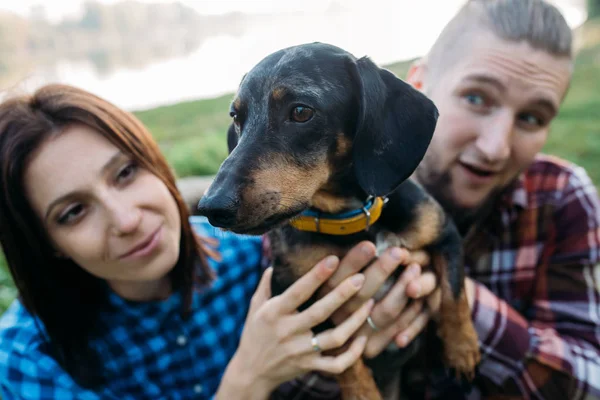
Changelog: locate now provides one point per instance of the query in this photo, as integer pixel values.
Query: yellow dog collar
(341, 224)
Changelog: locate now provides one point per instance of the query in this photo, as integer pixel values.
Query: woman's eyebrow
(114, 159)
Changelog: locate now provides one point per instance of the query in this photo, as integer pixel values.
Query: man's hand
(392, 318)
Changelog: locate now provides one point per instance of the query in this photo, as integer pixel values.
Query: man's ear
(232, 138)
(416, 73)
(394, 128)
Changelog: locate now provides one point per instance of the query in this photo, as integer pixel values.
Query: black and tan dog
(322, 146)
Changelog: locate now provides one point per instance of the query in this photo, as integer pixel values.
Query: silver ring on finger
(315, 344)
(372, 324)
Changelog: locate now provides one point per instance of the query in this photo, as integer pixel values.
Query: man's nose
(495, 141)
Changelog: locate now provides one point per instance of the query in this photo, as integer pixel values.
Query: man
(498, 74)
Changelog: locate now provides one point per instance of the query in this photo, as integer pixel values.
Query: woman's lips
(146, 247)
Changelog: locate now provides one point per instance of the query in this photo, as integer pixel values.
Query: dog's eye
(233, 115)
(302, 114)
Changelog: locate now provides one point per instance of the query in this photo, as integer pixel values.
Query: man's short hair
(536, 22)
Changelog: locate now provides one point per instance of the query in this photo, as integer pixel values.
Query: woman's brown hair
(64, 297)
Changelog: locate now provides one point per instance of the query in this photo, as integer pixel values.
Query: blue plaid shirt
(150, 353)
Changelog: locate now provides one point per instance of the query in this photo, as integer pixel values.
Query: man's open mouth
(478, 171)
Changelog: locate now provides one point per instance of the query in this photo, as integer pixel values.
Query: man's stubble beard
(438, 184)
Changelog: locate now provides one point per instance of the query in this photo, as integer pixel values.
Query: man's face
(496, 103)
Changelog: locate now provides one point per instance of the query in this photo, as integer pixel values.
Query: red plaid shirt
(536, 264)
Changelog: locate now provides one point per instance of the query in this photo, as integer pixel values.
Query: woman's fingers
(322, 309)
(262, 293)
(301, 290)
(355, 260)
(340, 363)
(337, 337)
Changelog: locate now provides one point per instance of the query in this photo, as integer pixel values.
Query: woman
(123, 295)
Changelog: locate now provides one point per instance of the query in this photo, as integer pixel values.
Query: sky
(59, 8)
(385, 30)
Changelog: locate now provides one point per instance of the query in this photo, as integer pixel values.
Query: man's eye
(531, 119)
(71, 214)
(475, 99)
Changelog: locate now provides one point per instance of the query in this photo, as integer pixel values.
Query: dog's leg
(455, 327)
(357, 383)
(432, 230)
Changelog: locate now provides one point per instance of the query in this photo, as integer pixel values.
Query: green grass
(192, 134)
(7, 289)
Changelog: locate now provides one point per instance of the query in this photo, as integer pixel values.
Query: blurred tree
(593, 8)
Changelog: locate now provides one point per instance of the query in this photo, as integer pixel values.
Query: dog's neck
(341, 194)
(333, 203)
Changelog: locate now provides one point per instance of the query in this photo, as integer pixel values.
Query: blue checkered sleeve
(31, 373)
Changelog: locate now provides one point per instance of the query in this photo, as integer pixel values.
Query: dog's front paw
(461, 350)
(461, 346)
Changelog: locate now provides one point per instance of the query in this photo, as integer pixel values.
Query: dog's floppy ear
(232, 138)
(394, 127)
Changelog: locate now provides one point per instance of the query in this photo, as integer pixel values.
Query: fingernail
(403, 341)
(417, 290)
(362, 340)
(413, 269)
(396, 253)
(370, 303)
(331, 262)
(366, 249)
(358, 279)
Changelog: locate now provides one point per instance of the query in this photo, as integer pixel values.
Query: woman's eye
(71, 214)
(127, 172)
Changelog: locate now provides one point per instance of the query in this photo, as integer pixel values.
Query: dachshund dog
(322, 147)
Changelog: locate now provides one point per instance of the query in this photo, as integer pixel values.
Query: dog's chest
(294, 253)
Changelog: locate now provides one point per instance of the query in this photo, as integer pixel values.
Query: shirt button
(198, 388)
(181, 340)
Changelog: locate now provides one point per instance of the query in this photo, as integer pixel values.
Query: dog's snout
(221, 210)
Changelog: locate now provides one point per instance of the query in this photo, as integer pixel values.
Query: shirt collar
(144, 308)
(515, 194)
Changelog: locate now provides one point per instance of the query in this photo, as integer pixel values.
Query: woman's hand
(392, 318)
(276, 344)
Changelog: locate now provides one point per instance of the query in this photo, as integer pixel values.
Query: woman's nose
(125, 218)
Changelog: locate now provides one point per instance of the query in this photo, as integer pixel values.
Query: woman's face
(115, 219)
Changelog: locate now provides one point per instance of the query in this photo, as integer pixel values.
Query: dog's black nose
(220, 210)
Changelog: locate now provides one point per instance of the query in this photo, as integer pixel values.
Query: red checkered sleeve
(550, 348)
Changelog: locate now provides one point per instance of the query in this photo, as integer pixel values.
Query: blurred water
(387, 31)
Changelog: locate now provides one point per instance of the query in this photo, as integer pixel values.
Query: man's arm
(553, 351)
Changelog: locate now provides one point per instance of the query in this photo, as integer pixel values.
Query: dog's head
(305, 119)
